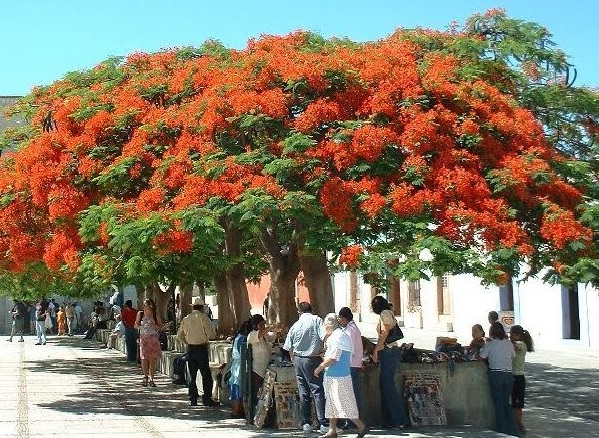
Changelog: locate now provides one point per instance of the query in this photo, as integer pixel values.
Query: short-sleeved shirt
(261, 352)
(388, 319)
(499, 353)
(519, 359)
(305, 336)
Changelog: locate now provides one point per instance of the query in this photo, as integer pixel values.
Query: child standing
(522, 343)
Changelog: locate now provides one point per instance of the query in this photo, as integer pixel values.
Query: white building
(554, 315)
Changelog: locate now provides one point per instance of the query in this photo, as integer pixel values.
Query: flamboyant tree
(213, 164)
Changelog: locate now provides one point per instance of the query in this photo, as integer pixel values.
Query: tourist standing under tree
(522, 343)
(41, 308)
(387, 355)
(346, 320)
(149, 323)
(128, 316)
(69, 311)
(499, 353)
(305, 345)
(338, 386)
(18, 313)
(196, 331)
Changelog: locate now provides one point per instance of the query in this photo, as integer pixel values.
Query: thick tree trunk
(240, 300)
(141, 295)
(318, 281)
(185, 295)
(160, 297)
(284, 268)
(226, 323)
(199, 290)
(238, 293)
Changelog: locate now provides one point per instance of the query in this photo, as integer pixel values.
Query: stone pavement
(72, 388)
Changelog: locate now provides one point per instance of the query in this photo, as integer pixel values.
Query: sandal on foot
(363, 432)
(144, 382)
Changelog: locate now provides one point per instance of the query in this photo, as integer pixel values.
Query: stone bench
(219, 352)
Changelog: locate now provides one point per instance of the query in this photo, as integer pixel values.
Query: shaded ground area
(92, 392)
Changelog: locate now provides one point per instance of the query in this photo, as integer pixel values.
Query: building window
(443, 297)
(414, 293)
(395, 295)
(570, 312)
(506, 296)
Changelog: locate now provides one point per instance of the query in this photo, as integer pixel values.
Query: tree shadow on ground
(567, 390)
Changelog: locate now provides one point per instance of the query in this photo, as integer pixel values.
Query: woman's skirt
(340, 398)
(149, 347)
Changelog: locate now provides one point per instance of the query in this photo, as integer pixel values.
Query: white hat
(197, 301)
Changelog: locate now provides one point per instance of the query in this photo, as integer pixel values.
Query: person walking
(128, 316)
(149, 323)
(522, 343)
(338, 386)
(18, 314)
(41, 309)
(305, 345)
(346, 320)
(499, 353)
(52, 309)
(69, 312)
(78, 316)
(196, 330)
(61, 321)
(387, 355)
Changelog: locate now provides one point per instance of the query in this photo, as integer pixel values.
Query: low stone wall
(466, 394)
(465, 387)
(219, 352)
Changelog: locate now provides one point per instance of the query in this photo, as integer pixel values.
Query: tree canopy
(472, 146)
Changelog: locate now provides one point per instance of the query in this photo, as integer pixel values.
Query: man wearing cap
(196, 330)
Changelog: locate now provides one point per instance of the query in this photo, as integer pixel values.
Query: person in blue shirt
(305, 345)
(338, 386)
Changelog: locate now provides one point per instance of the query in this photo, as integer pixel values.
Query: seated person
(117, 332)
(478, 339)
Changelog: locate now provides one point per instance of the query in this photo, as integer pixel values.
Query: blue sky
(41, 40)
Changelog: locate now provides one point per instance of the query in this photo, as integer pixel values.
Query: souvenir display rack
(425, 399)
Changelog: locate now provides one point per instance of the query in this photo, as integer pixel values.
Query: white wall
(537, 307)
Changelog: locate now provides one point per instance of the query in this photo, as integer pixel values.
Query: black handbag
(395, 334)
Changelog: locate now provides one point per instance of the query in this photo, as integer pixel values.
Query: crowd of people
(327, 356)
(505, 356)
(45, 317)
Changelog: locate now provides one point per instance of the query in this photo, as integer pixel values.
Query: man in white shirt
(117, 332)
(196, 330)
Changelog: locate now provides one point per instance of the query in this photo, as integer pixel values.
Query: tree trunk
(240, 300)
(199, 290)
(318, 281)
(225, 315)
(185, 295)
(284, 268)
(141, 295)
(160, 298)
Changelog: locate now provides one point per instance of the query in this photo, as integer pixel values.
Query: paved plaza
(72, 388)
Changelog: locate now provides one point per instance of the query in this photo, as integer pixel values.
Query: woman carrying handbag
(387, 355)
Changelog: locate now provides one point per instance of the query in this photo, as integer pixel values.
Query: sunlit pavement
(72, 388)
